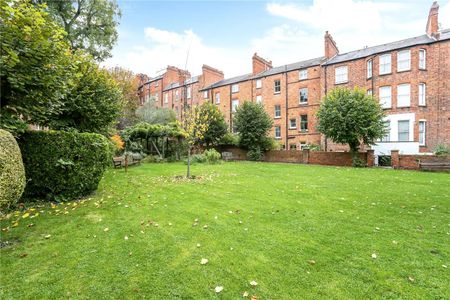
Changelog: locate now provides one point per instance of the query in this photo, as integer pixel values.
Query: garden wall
(304, 156)
(412, 162)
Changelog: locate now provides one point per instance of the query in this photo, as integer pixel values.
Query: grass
(307, 232)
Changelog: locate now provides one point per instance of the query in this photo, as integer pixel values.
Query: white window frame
(303, 74)
(188, 92)
(235, 88)
(205, 94)
(295, 123)
(234, 105)
(177, 95)
(398, 130)
(385, 96)
(258, 99)
(278, 132)
(341, 74)
(258, 83)
(275, 86)
(217, 97)
(369, 68)
(277, 116)
(422, 133)
(422, 59)
(370, 92)
(404, 61)
(422, 94)
(403, 99)
(385, 62)
(166, 97)
(300, 96)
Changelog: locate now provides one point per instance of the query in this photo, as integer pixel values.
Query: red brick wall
(333, 158)
(411, 162)
(287, 156)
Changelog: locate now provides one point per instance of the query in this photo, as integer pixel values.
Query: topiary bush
(12, 173)
(62, 165)
(255, 154)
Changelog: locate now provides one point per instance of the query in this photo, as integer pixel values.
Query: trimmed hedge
(12, 173)
(63, 165)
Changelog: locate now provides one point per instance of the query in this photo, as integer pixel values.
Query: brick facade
(424, 70)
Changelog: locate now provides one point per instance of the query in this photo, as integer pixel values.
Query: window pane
(303, 95)
(304, 122)
(422, 59)
(403, 95)
(258, 83)
(385, 96)
(403, 131)
(369, 69)
(385, 64)
(403, 60)
(277, 86)
(422, 93)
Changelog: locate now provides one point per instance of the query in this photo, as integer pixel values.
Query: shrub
(255, 154)
(63, 165)
(198, 158)
(442, 150)
(358, 162)
(118, 143)
(229, 139)
(12, 173)
(212, 156)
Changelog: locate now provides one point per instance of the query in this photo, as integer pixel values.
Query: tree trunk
(189, 163)
(126, 162)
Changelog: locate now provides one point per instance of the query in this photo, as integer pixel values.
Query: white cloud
(162, 48)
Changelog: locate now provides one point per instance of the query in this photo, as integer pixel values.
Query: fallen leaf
(198, 245)
(245, 294)
(15, 224)
(30, 225)
(106, 229)
(205, 227)
(312, 262)
(411, 279)
(126, 237)
(253, 283)
(170, 224)
(25, 215)
(254, 297)
(444, 266)
(218, 289)
(23, 255)
(47, 236)
(374, 256)
(204, 261)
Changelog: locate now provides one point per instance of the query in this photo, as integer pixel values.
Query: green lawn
(299, 231)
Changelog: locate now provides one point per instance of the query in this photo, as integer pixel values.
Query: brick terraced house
(410, 78)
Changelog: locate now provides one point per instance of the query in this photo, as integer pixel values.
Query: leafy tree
(151, 114)
(351, 117)
(194, 125)
(217, 127)
(253, 124)
(128, 85)
(36, 65)
(90, 24)
(94, 104)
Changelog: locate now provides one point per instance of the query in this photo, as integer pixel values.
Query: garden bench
(227, 155)
(435, 166)
(132, 160)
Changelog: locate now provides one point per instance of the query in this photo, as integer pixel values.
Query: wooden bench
(443, 165)
(227, 155)
(132, 160)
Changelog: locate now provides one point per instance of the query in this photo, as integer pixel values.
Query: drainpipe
(286, 109)
(231, 111)
(325, 90)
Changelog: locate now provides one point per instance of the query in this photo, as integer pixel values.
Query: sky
(226, 34)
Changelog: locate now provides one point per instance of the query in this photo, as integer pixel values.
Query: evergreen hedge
(12, 173)
(63, 165)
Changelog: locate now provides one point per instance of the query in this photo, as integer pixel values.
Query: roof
(269, 72)
(175, 85)
(418, 40)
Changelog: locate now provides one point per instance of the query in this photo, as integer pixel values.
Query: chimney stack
(259, 64)
(331, 49)
(210, 75)
(432, 24)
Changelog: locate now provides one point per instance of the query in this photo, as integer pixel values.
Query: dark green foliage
(212, 156)
(255, 154)
(229, 139)
(63, 165)
(94, 104)
(253, 124)
(91, 25)
(351, 117)
(12, 173)
(36, 66)
(217, 127)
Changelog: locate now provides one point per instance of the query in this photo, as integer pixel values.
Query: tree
(253, 124)
(151, 114)
(128, 85)
(90, 24)
(194, 125)
(36, 65)
(351, 117)
(95, 102)
(217, 127)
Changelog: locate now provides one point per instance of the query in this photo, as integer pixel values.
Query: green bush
(212, 156)
(255, 154)
(229, 139)
(63, 165)
(442, 150)
(12, 173)
(198, 158)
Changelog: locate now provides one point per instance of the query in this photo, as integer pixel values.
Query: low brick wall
(333, 158)
(412, 162)
(289, 156)
(304, 156)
